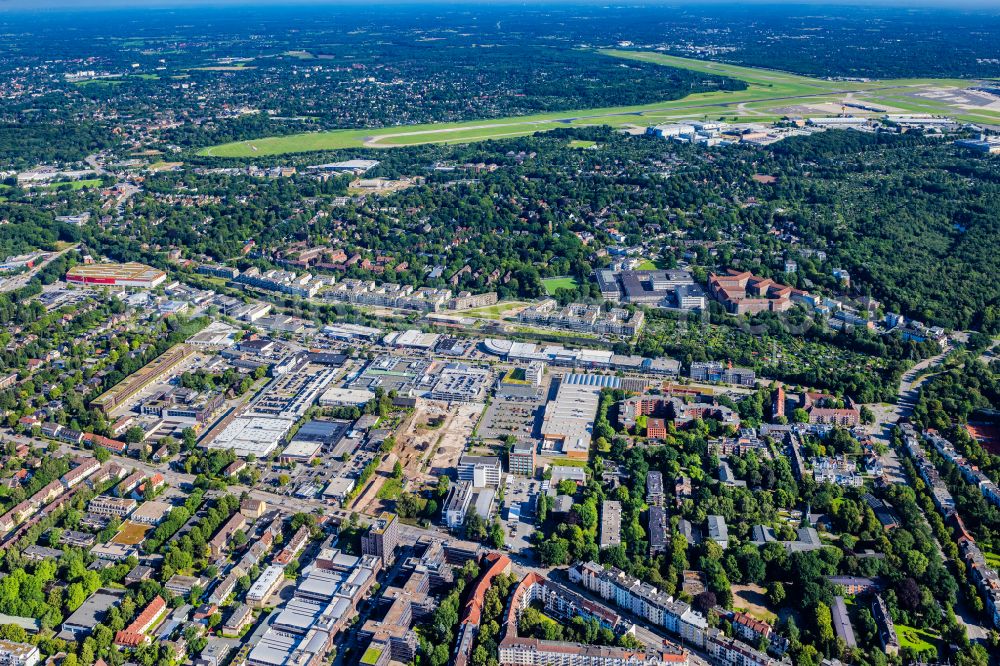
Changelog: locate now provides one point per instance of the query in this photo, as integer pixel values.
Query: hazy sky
(138, 4)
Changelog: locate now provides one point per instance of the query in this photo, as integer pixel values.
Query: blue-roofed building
(600, 381)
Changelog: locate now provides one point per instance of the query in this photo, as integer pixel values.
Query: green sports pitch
(769, 95)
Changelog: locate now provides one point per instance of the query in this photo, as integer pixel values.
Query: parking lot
(523, 493)
(511, 416)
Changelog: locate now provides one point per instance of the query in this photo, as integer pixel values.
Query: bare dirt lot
(753, 600)
(433, 438)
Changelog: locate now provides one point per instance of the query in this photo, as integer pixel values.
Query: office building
(480, 471)
(455, 508)
(521, 459)
(382, 538)
(714, 371)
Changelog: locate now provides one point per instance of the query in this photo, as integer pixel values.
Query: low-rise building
(886, 628)
(18, 654)
(584, 318)
(239, 619)
(718, 531)
(611, 524)
(265, 586)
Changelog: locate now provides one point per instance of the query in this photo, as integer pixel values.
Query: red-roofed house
(497, 564)
(135, 633)
(750, 627)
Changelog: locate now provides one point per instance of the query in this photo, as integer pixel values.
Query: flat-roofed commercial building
(460, 382)
(137, 381)
(569, 419)
(116, 275)
(300, 451)
(257, 435)
(265, 585)
(151, 512)
(278, 648)
(523, 382)
(90, 614)
(345, 397)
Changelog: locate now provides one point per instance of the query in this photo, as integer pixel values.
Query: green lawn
(646, 265)
(767, 94)
(568, 462)
(580, 143)
(549, 333)
(553, 284)
(74, 184)
(371, 656)
(238, 67)
(98, 82)
(992, 559)
(916, 639)
(391, 489)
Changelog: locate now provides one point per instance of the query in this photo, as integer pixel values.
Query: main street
(886, 418)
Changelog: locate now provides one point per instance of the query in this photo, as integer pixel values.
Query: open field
(73, 184)
(768, 97)
(553, 284)
(238, 67)
(580, 143)
(494, 311)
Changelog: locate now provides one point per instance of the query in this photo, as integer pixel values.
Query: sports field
(553, 284)
(769, 96)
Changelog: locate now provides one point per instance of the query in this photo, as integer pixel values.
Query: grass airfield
(770, 95)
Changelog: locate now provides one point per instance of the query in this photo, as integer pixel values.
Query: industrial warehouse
(116, 275)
